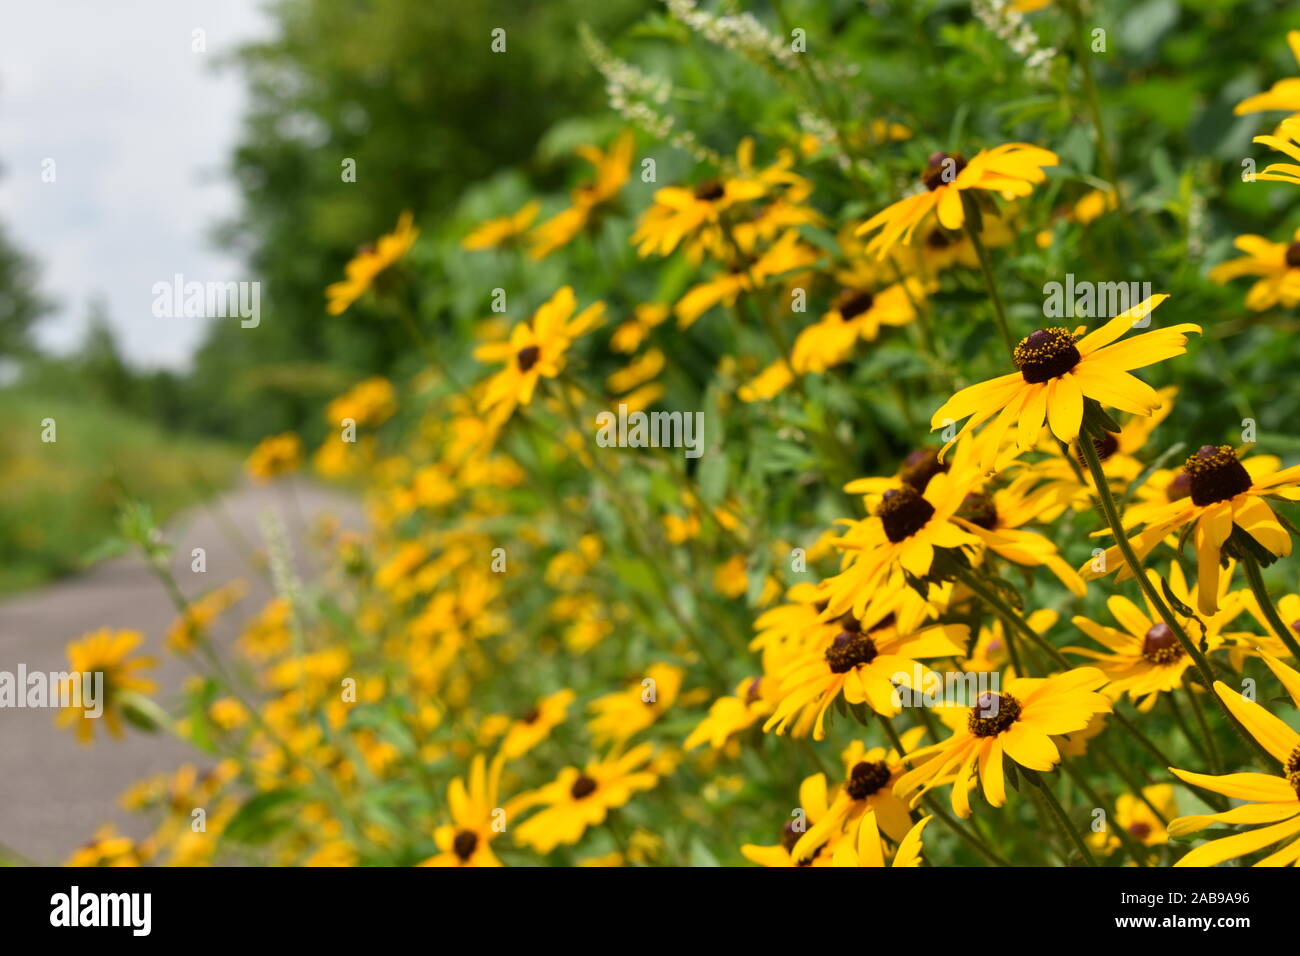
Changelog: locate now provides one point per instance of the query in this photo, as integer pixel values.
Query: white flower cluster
(637, 96)
(1011, 28)
(740, 32)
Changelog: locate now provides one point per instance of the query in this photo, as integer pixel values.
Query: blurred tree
(20, 303)
(410, 95)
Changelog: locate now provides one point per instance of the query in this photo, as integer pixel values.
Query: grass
(58, 499)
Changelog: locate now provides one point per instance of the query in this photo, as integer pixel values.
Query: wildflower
(589, 199)
(274, 456)
(1287, 140)
(108, 652)
(1284, 95)
(476, 818)
(621, 714)
(536, 725)
(1018, 724)
(787, 255)
(1135, 815)
(855, 314)
(578, 799)
(1058, 369)
(814, 803)
(1276, 263)
(194, 623)
(369, 264)
(1143, 657)
(370, 402)
(1270, 799)
(535, 350)
(1011, 170)
(867, 848)
(503, 230)
(1225, 507)
(754, 699)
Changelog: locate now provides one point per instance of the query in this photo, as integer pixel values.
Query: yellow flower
(754, 699)
(108, 848)
(1226, 506)
(369, 263)
(856, 314)
(1134, 814)
(1287, 140)
(274, 456)
(476, 818)
(787, 254)
(578, 799)
(612, 171)
(503, 230)
(730, 578)
(1143, 657)
(1277, 263)
(623, 713)
(535, 350)
(371, 402)
(1011, 171)
(867, 849)
(194, 623)
(535, 726)
(1274, 800)
(106, 652)
(1058, 369)
(1019, 724)
(814, 804)
(1284, 95)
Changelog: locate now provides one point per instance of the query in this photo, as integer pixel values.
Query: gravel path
(54, 792)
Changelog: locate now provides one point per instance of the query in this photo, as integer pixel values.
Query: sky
(140, 127)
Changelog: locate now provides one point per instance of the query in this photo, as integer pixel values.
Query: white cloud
(141, 129)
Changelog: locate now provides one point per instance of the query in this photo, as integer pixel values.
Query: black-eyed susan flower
(1011, 171)
(856, 314)
(1017, 724)
(868, 788)
(476, 817)
(814, 803)
(107, 652)
(274, 456)
(1143, 658)
(503, 230)
(369, 263)
(624, 713)
(1225, 501)
(535, 350)
(1135, 815)
(536, 725)
(865, 662)
(194, 623)
(754, 699)
(578, 799)
(901, 535)
(613, 167)
(1272, 800)
(1058, 369)
(788, 254)
(1276, 263)
(866, 848)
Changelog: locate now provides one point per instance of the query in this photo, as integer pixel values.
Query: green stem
(1010, 618)
(1134, 563)
(986, 269)
(1061, 818)
(1136, 851)
(1255, 578)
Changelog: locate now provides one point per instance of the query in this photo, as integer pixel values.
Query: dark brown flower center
(1293, 255)
(851, 303)
(790, 835)
(465, 843)
(1216, 475)
(754, 691)
(993, 714)
(531, 716)
(528, 357)
(942, 169)
(866, 778)
(1046, 354)
(904, 512)
(710, 190)
(980, 511)
(1160, 646)
(848, 650)
(1293, 770)
(1140, 829)
(938, 239)
(919, 467)
(584, 786)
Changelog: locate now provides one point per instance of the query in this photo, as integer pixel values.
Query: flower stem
(1061, 818)
(1010, 618)
(986, 269)
(1266, 606)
